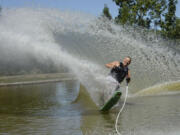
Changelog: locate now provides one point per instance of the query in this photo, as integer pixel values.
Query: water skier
(119, 71)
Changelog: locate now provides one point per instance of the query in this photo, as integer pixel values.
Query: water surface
(65, 108)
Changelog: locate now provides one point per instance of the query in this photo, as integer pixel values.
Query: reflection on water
(40, 109)
(54, 109)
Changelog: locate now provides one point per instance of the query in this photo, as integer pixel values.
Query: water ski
(111, 102)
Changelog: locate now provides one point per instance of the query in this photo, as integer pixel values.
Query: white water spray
(33, 39)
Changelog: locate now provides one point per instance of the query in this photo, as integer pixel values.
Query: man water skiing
(119, 71)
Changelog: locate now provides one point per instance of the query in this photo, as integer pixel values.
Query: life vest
(119, 72)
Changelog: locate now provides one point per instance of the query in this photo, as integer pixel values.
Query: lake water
(64, 108)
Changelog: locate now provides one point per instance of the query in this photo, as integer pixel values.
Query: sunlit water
(54, 108)
(48, 40)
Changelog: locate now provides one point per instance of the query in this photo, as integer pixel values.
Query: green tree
(176, 31)
(106, 12)
(145, 13)
(125, 15)
(169, 26)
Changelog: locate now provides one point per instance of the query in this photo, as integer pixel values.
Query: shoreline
(35, 79)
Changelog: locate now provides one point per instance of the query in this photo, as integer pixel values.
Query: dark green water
(59, 109)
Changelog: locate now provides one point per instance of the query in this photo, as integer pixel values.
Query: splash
(49, 40)
(167, 88)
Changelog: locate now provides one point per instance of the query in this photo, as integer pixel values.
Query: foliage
(176, 32)
(106, 12)
(157, 15)
(145, 13)
(169, 25)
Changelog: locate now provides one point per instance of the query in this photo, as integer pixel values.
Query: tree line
(155, 15)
